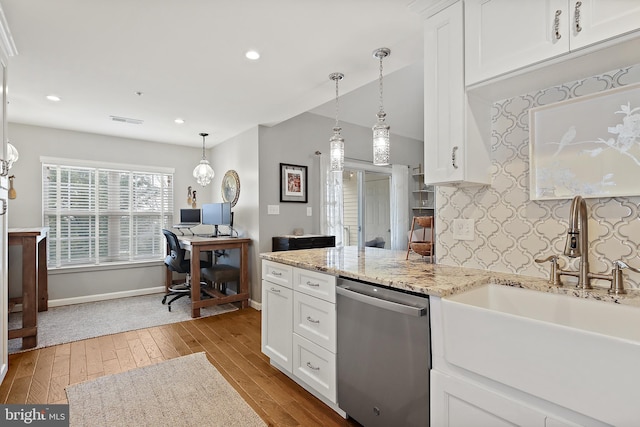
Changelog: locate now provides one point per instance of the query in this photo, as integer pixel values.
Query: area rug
(186, 391)
(76, 322)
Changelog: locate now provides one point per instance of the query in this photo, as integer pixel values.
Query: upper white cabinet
(457, 126)
(505, 35)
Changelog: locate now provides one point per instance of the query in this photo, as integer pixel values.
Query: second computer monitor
(216, 214)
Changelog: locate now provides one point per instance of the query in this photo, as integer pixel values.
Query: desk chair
(176, 261)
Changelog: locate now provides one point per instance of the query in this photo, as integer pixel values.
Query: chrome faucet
(578, 241)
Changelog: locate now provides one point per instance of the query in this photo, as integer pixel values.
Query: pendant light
(203, 172)
(12, 155)
(336, 143)
(381, 144)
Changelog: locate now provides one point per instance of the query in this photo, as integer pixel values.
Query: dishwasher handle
(381, 303)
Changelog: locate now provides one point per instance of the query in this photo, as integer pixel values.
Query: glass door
(366, 198)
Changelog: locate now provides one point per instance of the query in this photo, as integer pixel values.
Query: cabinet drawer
(315, 366)
(316, 284)
(277, 273)
(315, 319)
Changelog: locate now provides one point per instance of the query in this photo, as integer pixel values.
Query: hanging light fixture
(381, 144)
(203, 172)
(336, 143)
(12, 155)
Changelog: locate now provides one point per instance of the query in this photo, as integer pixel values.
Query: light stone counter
(389, 268)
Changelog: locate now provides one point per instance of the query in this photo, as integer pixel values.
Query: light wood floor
(231, 342)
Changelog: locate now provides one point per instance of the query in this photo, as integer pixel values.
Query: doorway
(366, 201)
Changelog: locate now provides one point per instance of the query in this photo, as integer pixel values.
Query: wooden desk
(195, 245)
(35, 294)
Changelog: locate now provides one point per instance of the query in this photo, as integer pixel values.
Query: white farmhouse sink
(580, 354)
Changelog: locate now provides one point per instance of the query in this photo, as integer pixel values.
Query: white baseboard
(115, 295)
(104, 297)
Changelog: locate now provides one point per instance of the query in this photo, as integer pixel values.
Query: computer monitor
(189, 216)
(217, 214)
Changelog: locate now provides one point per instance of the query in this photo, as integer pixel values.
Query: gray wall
(295, 141)
(254, 154)
(26, 210)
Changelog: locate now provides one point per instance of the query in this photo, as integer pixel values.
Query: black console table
(308, 241)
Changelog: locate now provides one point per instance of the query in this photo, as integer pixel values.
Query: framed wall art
(293, 183)
(587, 146)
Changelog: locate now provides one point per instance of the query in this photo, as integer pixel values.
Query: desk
(35, 295)
(195, 245)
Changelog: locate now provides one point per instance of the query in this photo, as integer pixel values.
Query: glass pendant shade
(381, 143)
(203, 173)
(336, 144)
(12, 155)
(381, 140)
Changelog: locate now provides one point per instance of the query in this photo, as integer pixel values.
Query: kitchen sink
(578, 353)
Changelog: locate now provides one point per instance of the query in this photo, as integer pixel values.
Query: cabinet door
(444, 122)
(315, 319)
(277, 323)
(459, 403)
(504, 35)
(315, 366)
(602, 19)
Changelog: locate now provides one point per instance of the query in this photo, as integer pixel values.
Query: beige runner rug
(186, 391)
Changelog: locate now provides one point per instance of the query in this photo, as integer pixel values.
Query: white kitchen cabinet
(457, 402)
(277, 323)
(457, 144)
(505, 35)
(299, 327)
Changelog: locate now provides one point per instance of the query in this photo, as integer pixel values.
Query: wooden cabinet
(457, 142)
(299, 326)
(502, 35)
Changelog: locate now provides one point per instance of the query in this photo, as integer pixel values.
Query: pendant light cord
(337, 105)
(380, 83)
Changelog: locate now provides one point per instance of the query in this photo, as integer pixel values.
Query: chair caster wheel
(164, 300)
(169, 308)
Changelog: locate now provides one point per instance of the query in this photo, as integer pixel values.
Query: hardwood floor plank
(231, 342)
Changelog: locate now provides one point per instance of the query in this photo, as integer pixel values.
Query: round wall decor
(231, 187)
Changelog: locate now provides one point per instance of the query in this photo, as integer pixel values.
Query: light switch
(309, 210)
(464, 229)
(273, 209)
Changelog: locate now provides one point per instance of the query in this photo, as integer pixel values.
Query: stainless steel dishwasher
(384, 355)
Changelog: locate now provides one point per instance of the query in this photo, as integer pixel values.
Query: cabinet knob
(556, 24)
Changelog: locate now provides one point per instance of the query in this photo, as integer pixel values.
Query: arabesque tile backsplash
(510, 229)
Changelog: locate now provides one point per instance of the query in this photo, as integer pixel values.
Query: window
(98, 215)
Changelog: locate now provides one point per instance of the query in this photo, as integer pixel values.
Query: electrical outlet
(309, 211)
(273, 209)
(464, 229)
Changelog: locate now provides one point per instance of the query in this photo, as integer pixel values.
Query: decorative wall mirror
(231, 187)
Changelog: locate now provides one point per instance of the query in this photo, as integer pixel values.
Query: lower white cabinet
(299, 326)
(277, 323)
(457, 402)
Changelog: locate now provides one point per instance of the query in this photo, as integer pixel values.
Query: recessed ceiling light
(53, 98)
(252, 54)
(179, 121)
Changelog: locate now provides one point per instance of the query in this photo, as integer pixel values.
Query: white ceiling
(187, 58)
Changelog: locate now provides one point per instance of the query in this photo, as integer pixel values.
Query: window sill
(104, 267)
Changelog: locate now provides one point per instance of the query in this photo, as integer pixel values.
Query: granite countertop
(389, 268)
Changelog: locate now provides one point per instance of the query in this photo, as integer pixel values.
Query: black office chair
(176, 261)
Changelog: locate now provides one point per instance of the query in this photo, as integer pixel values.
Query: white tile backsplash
(511, 230)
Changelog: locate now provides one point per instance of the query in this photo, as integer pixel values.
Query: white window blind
(101, 215)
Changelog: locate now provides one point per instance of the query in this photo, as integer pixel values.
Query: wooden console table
(195, 245)
(35, 284)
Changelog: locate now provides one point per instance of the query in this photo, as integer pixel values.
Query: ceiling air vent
(126, 120)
